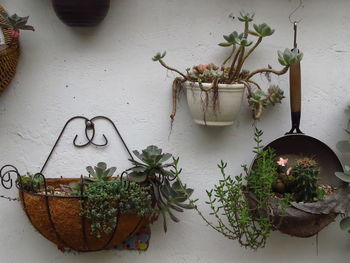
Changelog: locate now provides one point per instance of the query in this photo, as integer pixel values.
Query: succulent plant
(96, 173)
(344, 147)
(30, 182)
(15, 23)
(100, 172)
(306, 174)
(235, 73)
(104, 199)
(160, 171)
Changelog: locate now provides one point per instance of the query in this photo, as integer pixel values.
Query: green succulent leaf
(289, 57)
(225, 44)
(263, 30)
(343, 176)
(137, 177)
(16, 22)
(244, 42)
(159, 56)
(245, 16)
(343, 146)
(102, 165)
(345, 223)
(91, 171)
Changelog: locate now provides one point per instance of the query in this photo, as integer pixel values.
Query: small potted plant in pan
(100, 211)
(215, 92)
(81, 13)
(10, 27)
(273, 194)
(344, 147)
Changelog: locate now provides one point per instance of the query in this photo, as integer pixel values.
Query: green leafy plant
(344, 147)
(100, 172)
(237, 203)
(241, 49)
(30, 182)
(160, 171)
(15, 23)
(104, 200)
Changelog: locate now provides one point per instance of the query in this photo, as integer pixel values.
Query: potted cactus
(81, 13)
(215, 92)
(10, 26)
(274, 194)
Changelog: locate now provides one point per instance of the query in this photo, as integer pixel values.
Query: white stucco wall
(108, 71)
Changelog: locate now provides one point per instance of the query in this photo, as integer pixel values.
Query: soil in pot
(210, 111)
(81, 13)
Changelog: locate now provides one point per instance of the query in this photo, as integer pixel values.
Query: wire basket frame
(58, 217)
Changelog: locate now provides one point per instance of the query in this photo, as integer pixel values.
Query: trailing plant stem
(240, 59)
(264, 70)
(252, 49)
(172, 69)
(230, 56)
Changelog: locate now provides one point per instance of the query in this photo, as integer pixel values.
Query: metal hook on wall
(300, 5)
(295, 22)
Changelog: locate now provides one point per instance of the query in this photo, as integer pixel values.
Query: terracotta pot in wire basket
(8, 57)
(58, 217)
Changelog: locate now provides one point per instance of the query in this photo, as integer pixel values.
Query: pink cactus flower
(289, 170)
(15, 34)
(282, 162)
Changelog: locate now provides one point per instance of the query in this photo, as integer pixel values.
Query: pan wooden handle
(295, 87)
(295, 97)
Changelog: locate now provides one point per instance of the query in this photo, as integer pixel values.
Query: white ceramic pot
(229, 103)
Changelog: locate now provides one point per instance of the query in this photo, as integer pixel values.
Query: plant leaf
(345, 223)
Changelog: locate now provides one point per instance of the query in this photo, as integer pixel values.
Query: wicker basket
(58, 219)
(8, 58)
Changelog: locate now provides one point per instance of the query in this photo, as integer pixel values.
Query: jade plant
(160, 171)
(344, 147)
(232, 69)
(15, 23)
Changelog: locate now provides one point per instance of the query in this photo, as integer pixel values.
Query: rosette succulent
(15, 23)
(232, 70)
(160, 171)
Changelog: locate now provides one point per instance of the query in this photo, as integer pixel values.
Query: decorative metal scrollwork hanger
(9, 171)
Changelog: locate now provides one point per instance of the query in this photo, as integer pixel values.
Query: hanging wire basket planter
(58, 218)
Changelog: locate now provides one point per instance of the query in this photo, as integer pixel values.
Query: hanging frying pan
(295, 145)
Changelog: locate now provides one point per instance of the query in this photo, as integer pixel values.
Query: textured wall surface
(108, 70)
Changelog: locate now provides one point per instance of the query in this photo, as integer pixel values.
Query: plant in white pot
(215, 93)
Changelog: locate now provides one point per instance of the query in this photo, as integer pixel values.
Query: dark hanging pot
(81, 13)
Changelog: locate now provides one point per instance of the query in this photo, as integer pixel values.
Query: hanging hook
(300, 5)
(295, 27)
